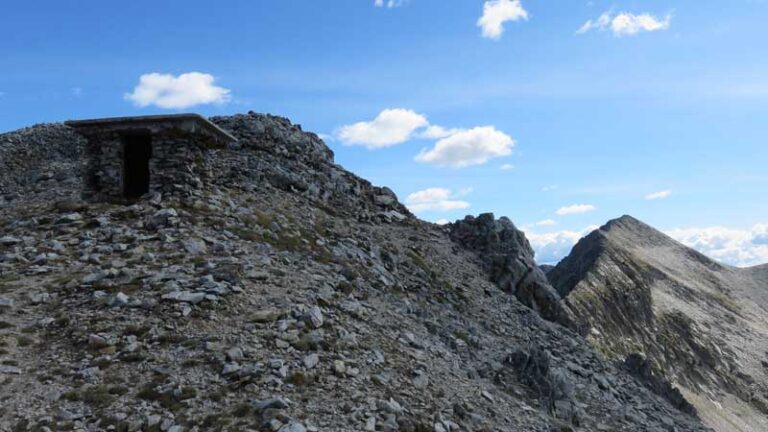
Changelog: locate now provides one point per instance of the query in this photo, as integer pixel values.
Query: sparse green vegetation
(419, 261)
(24, 341)
(170, 399)
(242, 410)
(97, 396)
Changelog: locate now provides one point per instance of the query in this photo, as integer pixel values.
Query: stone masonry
(177, 165)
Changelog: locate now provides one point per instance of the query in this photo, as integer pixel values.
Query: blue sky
(650, 97)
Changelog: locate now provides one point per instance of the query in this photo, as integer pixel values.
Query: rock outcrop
(635, 293)
(286, 294)
(508, 258)
(273, 150)
(32, 159)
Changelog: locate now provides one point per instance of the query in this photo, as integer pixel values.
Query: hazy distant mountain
(635, 292)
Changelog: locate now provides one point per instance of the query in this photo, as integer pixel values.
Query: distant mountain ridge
(632, 290)
(760, 271)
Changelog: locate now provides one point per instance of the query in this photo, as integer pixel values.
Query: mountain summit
(262, 287)
(639, 295)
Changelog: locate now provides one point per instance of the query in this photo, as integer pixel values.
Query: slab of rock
(10, 370)
(314, 317)
(185, 297)
(9, 240)
(265, 315)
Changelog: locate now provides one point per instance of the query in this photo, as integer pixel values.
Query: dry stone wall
(177, 165)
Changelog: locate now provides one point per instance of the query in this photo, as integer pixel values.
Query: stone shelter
(128, 157)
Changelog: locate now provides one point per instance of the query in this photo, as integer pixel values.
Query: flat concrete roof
(137, 121)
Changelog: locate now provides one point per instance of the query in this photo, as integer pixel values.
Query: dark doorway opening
(137, 150)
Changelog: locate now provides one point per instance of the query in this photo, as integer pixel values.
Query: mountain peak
(625, 220)
(630, 225)
(620, 232)
(632, 289)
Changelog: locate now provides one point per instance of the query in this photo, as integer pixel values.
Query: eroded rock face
(507, 257)
(631, 289)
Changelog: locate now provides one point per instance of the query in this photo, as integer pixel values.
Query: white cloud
(496, 13)
(551, 247)
(575, 209)
(506, 167)
(177, 92)
(737, 247)
(468, 147)
(437, 132)
(760, 235)
(627, 24)
(390, 127)
(455, 147)
(658, 195)
(326, 137)
(436, 199)
(389, 3)
(549, 188)
(442, 221)
(546, 222)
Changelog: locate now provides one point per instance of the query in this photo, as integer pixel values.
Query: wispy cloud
(436, 199)
(389, 3)
(658, 195)
(326, 137)
(546, 222)
(575, 209)
(739, 247)
(177, 92)
(626, 24)
(498, 12)
(506, 167)
(437, 132)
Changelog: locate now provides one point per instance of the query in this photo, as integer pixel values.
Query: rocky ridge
(507, 257)
(694, 329)
(286, 295)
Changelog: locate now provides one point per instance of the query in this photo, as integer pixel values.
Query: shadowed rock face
(639, 366)
(636, 293)
(285, 294)
(507, 256)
